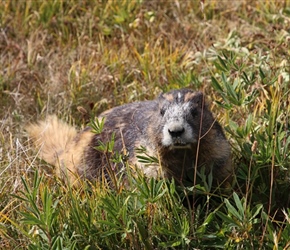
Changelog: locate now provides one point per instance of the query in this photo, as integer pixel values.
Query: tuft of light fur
(60, 145)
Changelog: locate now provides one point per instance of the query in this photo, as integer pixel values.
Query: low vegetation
(78, 58)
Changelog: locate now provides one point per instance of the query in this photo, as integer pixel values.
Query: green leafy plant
(40, 215)
(241, 223)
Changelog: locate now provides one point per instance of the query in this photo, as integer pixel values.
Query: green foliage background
(78, 58)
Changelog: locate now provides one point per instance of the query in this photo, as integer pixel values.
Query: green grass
(78, 58)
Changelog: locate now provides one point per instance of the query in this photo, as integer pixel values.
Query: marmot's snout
(177, 134)
(176, 131)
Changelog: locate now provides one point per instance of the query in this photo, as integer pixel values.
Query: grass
(76, 59)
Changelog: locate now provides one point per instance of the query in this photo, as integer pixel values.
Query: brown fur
(177, 128)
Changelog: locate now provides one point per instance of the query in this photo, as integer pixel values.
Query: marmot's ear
(194, 97)
(165, 96)
(161, 96)
(199, 98)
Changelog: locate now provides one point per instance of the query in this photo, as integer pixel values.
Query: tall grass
(77, 59)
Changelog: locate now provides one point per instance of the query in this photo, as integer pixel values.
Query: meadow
(76, 59)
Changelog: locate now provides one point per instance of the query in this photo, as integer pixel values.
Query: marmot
(177, 128)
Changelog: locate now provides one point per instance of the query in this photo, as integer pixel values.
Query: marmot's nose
(176, 132)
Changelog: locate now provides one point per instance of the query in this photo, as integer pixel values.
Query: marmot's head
(179, 118)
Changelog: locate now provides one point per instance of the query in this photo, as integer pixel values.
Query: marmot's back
(177, 128)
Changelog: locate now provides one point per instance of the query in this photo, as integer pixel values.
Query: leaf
(256, 210)
(239, 204)
(216, 85)
(97, 125)
(233, 210)
(30, 219)
(208, 219)
(143, 232)
(248, 124)
(230, 90)
(227, 218)
(222, 62)
(262, 74)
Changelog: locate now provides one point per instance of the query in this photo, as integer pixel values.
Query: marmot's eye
(193, 111)
(162, 111)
